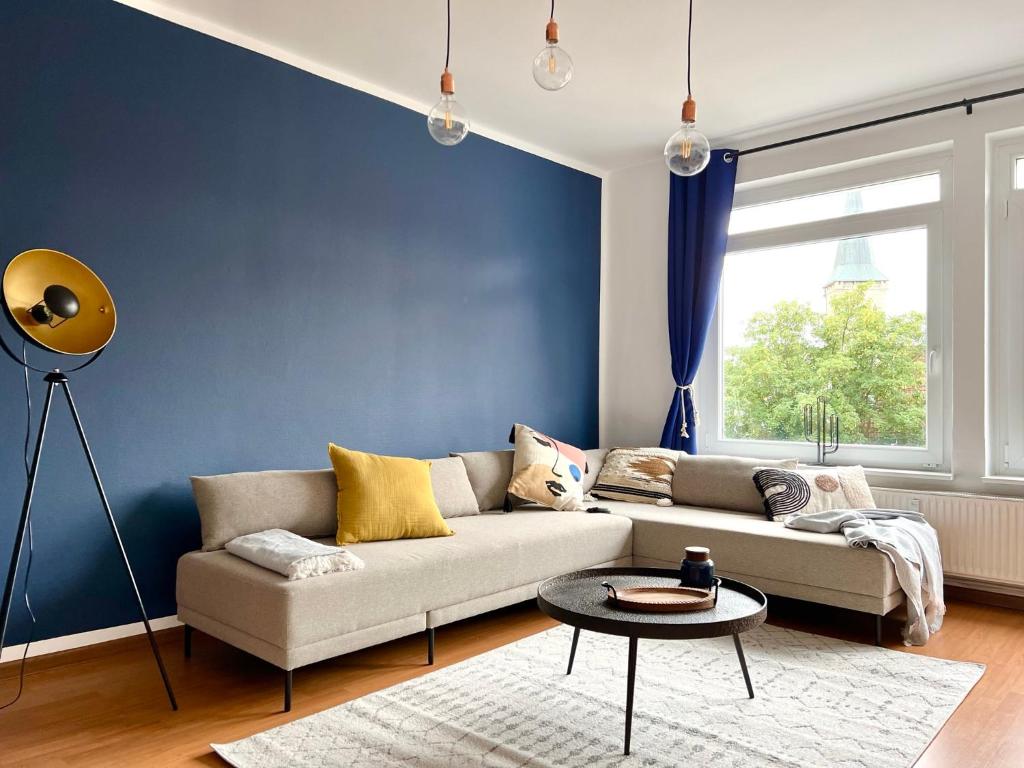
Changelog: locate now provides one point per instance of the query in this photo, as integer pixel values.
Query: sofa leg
(430, 645)
(287, 690)
(878, 630)
(188, 642)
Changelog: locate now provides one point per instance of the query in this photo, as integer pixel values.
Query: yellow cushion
(384, 497)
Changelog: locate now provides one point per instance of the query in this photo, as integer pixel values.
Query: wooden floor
(104, 705)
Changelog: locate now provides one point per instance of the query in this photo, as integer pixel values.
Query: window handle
(933, 366)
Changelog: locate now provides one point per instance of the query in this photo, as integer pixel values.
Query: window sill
(908, 474)
(1002, 480)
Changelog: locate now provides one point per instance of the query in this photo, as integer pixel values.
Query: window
(1006, 314)
(830, 205)
(834, 285)
(847, 316)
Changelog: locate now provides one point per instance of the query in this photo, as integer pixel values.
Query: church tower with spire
(854, 264)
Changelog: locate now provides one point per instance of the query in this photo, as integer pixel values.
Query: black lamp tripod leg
(120, 544)
(26, 510)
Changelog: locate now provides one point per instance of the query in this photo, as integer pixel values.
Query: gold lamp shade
(42, 272)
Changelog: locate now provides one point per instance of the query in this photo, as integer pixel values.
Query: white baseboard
(1014, 590)
(82, 639)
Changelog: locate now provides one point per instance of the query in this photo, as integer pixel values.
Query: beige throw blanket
(912, 545)
(291, 555)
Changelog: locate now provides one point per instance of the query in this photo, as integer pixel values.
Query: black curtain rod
(965, 104)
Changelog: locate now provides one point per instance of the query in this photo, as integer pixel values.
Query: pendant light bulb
(552, 67)
(448, 121)
(688, 151)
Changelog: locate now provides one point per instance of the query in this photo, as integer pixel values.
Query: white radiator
(982, 537)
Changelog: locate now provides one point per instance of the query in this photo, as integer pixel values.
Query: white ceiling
(756, 63)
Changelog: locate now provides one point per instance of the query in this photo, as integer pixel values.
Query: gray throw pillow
(721, 482)
(595, 460)
(489, 475)
(452, 489)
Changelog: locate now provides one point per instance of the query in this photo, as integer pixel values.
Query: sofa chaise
(494, 559)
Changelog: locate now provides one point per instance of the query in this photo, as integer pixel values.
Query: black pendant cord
(965, 104)
(689, 46)
(448, 39)
(552, 17)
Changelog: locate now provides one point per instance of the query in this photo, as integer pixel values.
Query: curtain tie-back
(683, 389)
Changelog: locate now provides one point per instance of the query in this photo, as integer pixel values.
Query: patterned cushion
(546, 471)
(789, 492)
(637, 474)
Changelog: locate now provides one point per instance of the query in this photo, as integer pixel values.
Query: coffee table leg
(743, 665)
(630, 681)
(572, 653)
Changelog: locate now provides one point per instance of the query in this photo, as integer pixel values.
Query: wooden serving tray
(661, 599)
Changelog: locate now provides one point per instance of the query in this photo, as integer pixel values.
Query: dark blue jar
(697, 568)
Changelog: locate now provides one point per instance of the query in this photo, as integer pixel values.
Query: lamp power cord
(28, 565)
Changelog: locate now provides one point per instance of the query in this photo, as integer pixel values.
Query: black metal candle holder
(821, 426)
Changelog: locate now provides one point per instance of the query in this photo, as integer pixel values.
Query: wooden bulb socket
(447, 83)
(689, 110)
(551, 32)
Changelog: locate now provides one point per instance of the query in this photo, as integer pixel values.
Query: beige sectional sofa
(493, 560)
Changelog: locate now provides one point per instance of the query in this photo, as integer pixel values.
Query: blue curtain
(698, 222)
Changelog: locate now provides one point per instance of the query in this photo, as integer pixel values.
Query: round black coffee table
(578, 599)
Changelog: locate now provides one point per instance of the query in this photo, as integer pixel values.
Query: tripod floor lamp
(57, 303)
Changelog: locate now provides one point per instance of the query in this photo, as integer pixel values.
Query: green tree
(870, 365)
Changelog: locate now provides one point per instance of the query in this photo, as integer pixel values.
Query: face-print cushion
(546, 471)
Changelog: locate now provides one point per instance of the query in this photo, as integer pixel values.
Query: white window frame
(936, 217)
(1006, 312)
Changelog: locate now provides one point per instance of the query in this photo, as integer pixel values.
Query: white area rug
(819, 702)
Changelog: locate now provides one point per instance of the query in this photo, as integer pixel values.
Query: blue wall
(293, 262)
